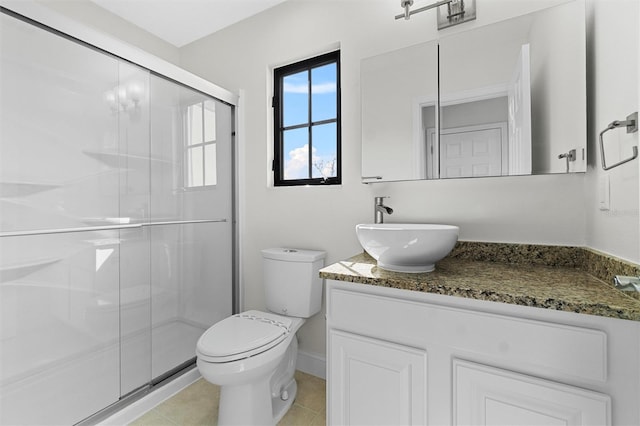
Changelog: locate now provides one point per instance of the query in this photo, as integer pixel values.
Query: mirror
(397, 89)
(511, 101)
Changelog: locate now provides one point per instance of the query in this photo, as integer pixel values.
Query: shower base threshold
(138, 403)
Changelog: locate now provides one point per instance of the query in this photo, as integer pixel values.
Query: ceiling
(180, 22)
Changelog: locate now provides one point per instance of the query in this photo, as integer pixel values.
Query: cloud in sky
(297, 167)
(304, 88)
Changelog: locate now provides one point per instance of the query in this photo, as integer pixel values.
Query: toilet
(252, 355)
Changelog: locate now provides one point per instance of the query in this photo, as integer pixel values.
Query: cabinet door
(490, 396)
(375, 382)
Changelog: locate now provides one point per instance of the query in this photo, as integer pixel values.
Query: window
(306, 107)
(201, 144)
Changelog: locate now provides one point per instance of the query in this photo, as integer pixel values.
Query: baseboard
(314, 364)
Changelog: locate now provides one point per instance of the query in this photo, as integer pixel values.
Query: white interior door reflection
(474, 151)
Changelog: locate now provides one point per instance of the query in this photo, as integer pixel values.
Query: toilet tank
(291, 281)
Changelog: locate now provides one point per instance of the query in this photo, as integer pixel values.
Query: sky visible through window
(323, 135)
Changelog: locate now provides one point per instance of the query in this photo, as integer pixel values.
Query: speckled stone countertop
(559, 278)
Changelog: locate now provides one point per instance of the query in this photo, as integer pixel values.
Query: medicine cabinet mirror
(511, 101)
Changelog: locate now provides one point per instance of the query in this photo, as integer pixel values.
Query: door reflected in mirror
(512, 101)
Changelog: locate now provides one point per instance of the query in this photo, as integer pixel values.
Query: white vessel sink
(407, 247)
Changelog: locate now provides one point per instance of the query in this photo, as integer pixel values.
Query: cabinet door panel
(490, 396)
(376, 382)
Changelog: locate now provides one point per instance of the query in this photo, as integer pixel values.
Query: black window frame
(279, 129)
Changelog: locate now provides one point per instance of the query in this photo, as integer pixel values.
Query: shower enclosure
(116, 224)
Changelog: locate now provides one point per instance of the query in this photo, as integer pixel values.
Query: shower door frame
(42, 17)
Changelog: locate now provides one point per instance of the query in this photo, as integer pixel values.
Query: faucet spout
(384, 209)
(627, 283)
(380, 209)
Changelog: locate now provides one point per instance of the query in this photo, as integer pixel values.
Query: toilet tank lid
(293, 255)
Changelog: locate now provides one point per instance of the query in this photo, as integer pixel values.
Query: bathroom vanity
(480, 342)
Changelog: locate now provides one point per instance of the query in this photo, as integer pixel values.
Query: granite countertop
(560, 288)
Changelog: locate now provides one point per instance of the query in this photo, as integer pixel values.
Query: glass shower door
(133, 164)
(59, 302)
(59, 336)
(115, 225)
(191, 231)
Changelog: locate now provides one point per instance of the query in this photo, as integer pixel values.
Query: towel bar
(631, 124)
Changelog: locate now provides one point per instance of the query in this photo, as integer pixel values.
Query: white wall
(613, 94)
(104, 21)
(539, 209)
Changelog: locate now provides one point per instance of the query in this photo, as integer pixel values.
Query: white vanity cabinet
(406, 357)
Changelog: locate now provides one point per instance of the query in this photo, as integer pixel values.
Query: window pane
(209, 121)
(295, 106)
(307, 94)
(210, 171)
(323, 92)
(194, 172)
(195, 124)
(325, 153)
(296, 154)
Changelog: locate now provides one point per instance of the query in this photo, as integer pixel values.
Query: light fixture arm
(457, 11)
(406, 5)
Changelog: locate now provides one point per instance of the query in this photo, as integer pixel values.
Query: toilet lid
(243, 335)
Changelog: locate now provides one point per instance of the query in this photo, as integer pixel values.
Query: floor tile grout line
(166, 417)
(307, 408)
(156, 412)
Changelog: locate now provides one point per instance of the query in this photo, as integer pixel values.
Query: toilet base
(263, 410)
(263, 400)
(280, 406)
(233, 398)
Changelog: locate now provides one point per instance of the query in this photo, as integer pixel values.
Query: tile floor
(197, 404)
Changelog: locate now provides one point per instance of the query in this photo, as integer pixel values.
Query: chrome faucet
(626, 283)
(380, 209)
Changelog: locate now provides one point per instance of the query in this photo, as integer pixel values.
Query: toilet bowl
(252, 355)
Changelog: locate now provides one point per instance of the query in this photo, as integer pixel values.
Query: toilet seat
(242, 335)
